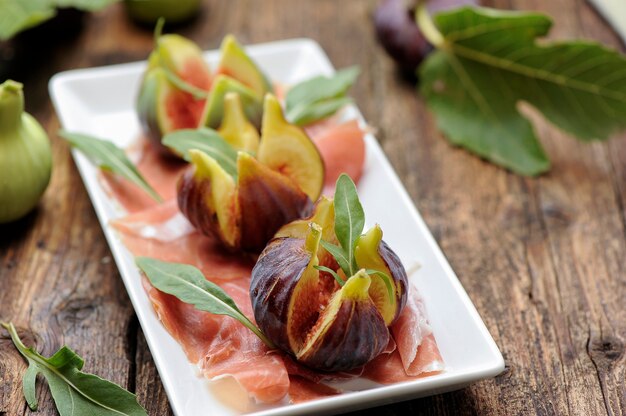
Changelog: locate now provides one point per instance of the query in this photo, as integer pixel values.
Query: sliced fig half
(373, 253)
(287, 149)
(349, 333)
(235, 63)
(161, 105)
(235, 127)
(207, 196)
(267, 200)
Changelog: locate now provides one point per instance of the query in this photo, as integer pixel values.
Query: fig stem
(11, 106)
(427, 26)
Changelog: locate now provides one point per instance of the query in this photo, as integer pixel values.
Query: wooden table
(544, 260)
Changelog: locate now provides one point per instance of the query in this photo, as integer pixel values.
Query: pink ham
(416, 355)
(222, 346)
(343, 150)
(163, 233)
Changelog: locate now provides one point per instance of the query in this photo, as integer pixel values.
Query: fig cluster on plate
(309, 307)
(179, 91)
(244, 208)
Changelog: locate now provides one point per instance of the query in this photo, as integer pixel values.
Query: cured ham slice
(222, 346)
(163, 233)
(343, 150)
(303, 390)
(416, 355)
(416, 345)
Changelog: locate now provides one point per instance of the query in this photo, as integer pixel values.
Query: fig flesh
(244, 209)
(162, 105)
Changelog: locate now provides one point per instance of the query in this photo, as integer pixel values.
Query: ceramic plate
(100, 102)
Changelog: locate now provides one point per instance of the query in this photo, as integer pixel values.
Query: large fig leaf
(18, 15)
(488, 61)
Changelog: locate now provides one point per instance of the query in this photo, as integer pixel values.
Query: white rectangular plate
(100, 102)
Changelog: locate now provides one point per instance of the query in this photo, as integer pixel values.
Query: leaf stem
(427, 26)
(16, 338)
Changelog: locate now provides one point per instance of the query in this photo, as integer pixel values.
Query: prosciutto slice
(416, 355)
(222, 346)
(343, 150)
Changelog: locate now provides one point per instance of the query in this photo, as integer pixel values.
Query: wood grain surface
(543, 260)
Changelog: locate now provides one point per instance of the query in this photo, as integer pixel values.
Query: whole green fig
(25, 155)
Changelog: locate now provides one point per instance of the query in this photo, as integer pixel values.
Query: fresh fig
(244, 210)
(162, 105)
(399, 34)
(304, 310)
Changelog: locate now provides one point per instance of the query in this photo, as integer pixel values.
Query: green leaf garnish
(74, 392)
(488, 61)
(319, 97)
(349, 219)
(19, 15)
(332, 272)
(207, 140)
(108, 156)
(303, 115)
(189, 285)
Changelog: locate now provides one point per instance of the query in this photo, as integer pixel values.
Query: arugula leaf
(303, 115)
(207, 140)
(319, 97)
(349, 219)
(19, 15)
(74, 392)
(108, 156)
(488, 60)
(339, 254)
(332, 272)
(189, 285)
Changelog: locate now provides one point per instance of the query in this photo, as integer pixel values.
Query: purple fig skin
(357, 335)
(274, 279)
(398, 275)
(191, 196)
(398, 33)
(267, 201)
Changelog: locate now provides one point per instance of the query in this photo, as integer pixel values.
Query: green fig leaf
(476, 78)
(19, 15)
(74, 392)
(189, 285)
(319, 97)
(206, 140)
(108, 156)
